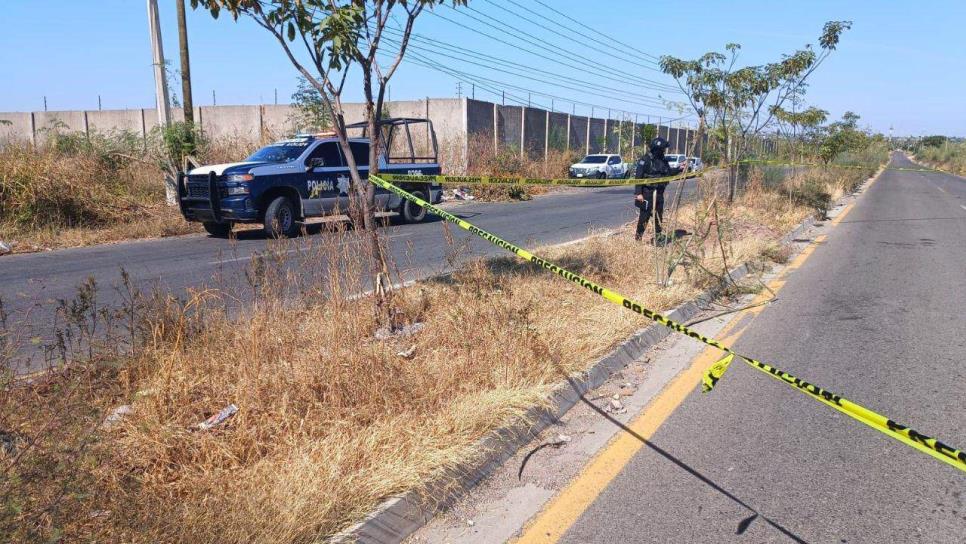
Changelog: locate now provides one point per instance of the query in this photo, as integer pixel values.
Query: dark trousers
(653, 203)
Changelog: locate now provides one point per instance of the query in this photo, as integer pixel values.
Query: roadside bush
(950, 156)
(508, 161)
(72, 183)
(814, 195)
(78, 189)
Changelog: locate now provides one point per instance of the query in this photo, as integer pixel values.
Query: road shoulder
(501, 507)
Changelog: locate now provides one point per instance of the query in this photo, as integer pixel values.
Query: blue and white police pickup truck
(306, 176)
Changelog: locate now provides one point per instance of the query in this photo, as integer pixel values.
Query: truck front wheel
(410, 212)
(280, 218)
(218, 230)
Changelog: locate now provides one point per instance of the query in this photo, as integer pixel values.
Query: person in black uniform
(650, 198)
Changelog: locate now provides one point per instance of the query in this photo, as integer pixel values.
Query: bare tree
(335, 36)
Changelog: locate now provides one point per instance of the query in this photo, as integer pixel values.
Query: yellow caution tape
(902, 433)
(516, 180)
(832, 165)
(716, 371)
(587, 182)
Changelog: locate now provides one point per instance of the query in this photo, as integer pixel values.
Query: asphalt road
(877, 314)
(31, 284)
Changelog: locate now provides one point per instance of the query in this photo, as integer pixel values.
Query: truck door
(323, 180)
(360, 152)
(613, 166)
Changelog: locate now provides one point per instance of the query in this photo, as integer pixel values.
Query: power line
(475, 78)
(468, 79)
(482, 56)
(521, 32)
(591, 39)
(627, 97)
(615, 40)
(554, 50)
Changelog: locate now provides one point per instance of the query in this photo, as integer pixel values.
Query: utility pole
(189, 112)
(459, 89)
(161, 84)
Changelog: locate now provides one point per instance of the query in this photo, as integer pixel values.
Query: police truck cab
(306, 176)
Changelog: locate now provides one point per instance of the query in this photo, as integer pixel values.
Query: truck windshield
(594, 159)
(279, 152)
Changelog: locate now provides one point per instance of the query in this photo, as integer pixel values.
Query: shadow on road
(325, 227)
(742, 524)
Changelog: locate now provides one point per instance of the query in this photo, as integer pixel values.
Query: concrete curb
(398, 517)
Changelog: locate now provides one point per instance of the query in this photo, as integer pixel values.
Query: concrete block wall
(115, 120)
(71, 121)
(612, 137)
(278, 120)
(17, 126)
(243, 122)
(557, 135)
(526, 130)
(578, 133)
(480, 118)
(534, 132)
(510, 126)
(596, 136)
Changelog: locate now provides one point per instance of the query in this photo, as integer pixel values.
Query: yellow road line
(568, 505)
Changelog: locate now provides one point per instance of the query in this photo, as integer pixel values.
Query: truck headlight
(232, 191)
(239, 177)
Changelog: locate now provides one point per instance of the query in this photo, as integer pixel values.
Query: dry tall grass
(331, 420)
(77, 190)
(485, 159)
(950, 157)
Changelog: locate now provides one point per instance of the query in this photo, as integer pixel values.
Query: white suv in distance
(696, 164)
(599, 166)
(675, 160)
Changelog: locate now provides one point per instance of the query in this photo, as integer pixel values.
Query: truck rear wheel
(410, 212)
(280, 218)
(218, 230)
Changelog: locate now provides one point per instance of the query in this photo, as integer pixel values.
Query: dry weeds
(331, 420)
(78, 192)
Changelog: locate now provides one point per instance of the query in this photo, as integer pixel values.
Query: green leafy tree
(325, 40)
(841, 137)
(802, 127)
(310, 110)
(741, 102)
(933, 141)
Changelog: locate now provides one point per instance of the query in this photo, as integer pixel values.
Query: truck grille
(198, 190)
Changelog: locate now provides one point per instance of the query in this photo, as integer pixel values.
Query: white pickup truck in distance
(677, 160)
(599, 166)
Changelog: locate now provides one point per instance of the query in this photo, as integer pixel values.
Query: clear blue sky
(901, 64)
